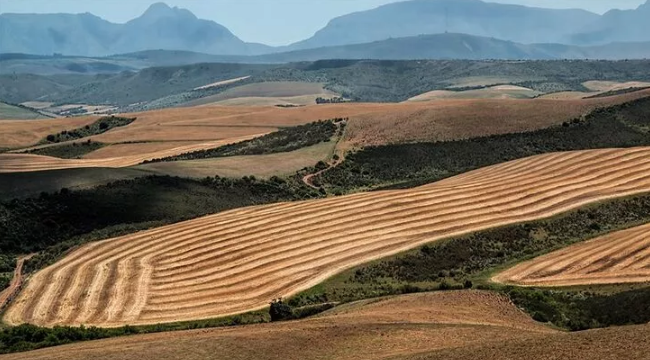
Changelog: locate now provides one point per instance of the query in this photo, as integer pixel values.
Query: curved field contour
(240, 260)
(619, 257)
(10, 163)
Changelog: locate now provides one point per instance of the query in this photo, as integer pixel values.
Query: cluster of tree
(283, 140)
(333, 100)
(280, 310)
(100, 126)
(415, 164)
(68, 151)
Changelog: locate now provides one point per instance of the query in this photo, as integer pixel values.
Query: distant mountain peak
(161, 10)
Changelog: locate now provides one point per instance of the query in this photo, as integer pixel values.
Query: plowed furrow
(238, 234)
(241, 259)
(619, 257)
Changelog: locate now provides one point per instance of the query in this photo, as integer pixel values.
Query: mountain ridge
(159, 27)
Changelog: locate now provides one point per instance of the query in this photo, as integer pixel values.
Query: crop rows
(242, 259)
(10, 163)
(619, 257)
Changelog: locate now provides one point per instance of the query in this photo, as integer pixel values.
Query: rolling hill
(240, 260)
(357, 80)
(615, 258)
(617, 26)
(368, 329)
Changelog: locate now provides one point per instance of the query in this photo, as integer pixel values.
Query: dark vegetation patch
(52, 223)
(409, 165)
(583, 310)
(283, 140)
(617, 92)
(100, 126)
(68, 151)
(7, 265)
(20, 185)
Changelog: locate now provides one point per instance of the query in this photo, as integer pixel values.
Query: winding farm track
(239, 260)
(619, 257)
(11, 163)
(16, 281)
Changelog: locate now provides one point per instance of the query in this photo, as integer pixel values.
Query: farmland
(10, 163)
(263, 166)
(392, 326)
(502, 197)
(450, 325)
(615, 258)
(227, 263)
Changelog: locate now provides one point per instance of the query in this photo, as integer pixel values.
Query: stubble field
(242, 259)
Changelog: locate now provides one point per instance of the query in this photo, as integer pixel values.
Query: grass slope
(13, 112)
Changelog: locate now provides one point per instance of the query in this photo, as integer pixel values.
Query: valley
(421, 179)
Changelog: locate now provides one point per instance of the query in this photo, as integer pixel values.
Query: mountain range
(397, 26)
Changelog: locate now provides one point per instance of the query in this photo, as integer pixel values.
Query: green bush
(98, 127)
(280, 311)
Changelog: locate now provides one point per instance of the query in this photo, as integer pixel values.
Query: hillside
(617, 26)
(369, 329)
(430, 47)
(615, 258)
(460, 46)
(357, 80)
(474, 17)
(235, 261)
(160, 27)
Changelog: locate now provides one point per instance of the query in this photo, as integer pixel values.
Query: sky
(271, 22)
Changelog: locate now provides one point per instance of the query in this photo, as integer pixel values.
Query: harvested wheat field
(262, 166)
(239, 260)
(366, 330)
(619, 257)
(271, 89)
(12, 163)
(492, 92)
(23, 133)
(461, 119)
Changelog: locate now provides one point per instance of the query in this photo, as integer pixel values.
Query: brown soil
(367, 330)
(628, 342)
(240, 260)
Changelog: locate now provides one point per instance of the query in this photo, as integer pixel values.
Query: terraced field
(12, 163)
(619, 257)
(239, 260)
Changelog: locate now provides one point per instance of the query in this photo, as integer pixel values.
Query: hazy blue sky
(273, 22)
